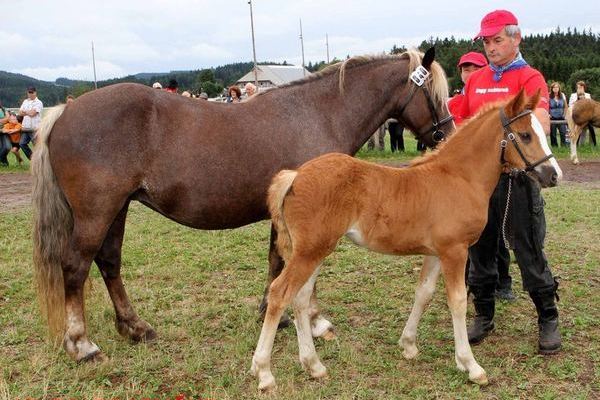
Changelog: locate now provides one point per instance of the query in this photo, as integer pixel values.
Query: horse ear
(534, 100)
(517, 104)
(428, 58)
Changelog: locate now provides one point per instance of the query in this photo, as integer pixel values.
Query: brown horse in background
(437, 207)
(205, 165)
(583, 113)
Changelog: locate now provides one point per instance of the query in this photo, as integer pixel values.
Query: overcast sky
(47, 39)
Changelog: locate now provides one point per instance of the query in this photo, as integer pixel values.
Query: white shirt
(32, 123)
(573, 98)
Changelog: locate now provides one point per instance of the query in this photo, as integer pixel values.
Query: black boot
(549, 334)
(483, 324)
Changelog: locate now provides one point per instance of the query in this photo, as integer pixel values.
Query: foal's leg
(283, 289)
(306, 347)
(85, 241)
(276, 265)
(423, 294)
(574, 138)
(453, 268)
(108, 259)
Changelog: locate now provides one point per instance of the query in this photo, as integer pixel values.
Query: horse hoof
(138, 331)
(93, 358)
(284, 322)
(318, 371)
(481, 379)
(410, 353)
(329, 335)
(267, 385)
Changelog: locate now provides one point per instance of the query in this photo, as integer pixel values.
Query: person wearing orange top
(468, 63)
(13, 129)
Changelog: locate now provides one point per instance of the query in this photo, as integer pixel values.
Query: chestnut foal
(437, 207)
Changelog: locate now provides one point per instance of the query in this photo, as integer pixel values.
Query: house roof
(277, 74)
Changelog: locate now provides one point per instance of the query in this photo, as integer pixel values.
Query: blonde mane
(437, 84)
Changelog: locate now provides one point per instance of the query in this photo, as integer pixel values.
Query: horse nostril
(554, 178)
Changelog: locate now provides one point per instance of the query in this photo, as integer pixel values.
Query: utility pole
(94, 65)
(253, 45)
(302, 44)
(327, 45)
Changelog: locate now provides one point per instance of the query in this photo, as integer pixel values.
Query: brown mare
(436, 207)
(201, 164)
(583, 113)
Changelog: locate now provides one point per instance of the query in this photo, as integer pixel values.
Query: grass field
(200, 290)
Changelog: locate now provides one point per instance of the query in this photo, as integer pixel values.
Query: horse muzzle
(548, 175)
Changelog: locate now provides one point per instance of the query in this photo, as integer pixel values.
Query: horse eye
(525, 136)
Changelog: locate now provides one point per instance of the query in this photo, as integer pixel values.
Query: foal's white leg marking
(423, 294)
(574, 158)
(306, 347)
(537, 128)
(320, 327)
(463, 354)
(261, 361)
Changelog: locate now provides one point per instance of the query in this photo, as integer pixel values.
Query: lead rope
(506, 243)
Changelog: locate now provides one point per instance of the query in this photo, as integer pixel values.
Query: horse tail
(53, 224)
(279, 189)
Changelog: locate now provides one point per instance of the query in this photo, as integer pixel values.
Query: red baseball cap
(493, 23)
(474, 58)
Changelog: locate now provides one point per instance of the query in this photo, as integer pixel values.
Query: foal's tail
(279, 189)
(53, 224)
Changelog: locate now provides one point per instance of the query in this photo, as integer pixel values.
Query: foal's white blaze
(537, 128)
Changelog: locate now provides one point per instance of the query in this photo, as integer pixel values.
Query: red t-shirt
(455, 105)
(482, 89)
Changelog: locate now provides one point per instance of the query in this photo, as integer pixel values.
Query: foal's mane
(437, 84)
(432, 156)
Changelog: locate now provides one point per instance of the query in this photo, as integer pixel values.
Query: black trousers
(396, 138)
(526, 229)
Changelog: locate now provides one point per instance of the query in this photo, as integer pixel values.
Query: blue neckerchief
(517, 63)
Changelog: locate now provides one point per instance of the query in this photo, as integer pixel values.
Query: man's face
(31, 94)
(466, 70)
(500, 48)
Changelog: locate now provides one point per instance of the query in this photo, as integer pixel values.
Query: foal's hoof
(410, 353)
(320, 327)
(329, 335)
(481, 379)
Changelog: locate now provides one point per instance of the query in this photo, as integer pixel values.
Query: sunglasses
(30, 91)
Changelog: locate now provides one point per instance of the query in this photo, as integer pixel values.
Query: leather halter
(509, 135)
(418, 77)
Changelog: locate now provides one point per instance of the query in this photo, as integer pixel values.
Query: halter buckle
(419, 75)
(503, 143)
(511, 136)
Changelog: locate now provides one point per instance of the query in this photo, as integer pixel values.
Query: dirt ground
(15, 188)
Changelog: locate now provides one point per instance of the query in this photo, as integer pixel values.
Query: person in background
(13, 129)
(173, 86)
(558, 112)
(69, 99)
(507, 74)
(203, 96)
(250, 89)
(185, 93)
(4, 139)
(580, 93)
(157, 85)
(396, 130)
(468, 63)
(234, 94)
(31, 110)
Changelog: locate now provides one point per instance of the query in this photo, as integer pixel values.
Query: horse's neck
(354, 114)
(474, 154)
